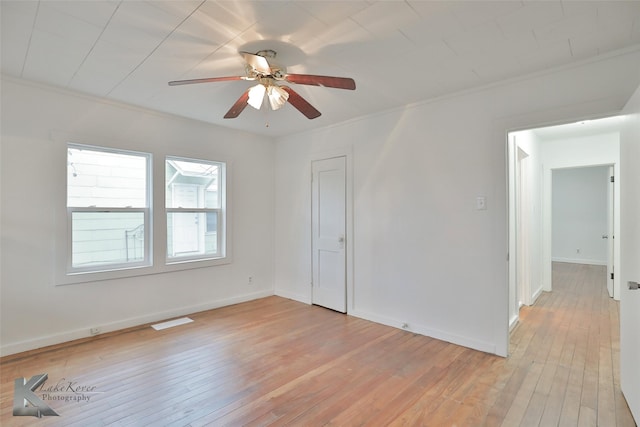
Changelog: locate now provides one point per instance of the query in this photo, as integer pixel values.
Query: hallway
(565, 355)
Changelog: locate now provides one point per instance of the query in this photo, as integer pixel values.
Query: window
(111, 224)
(108, 209)
(194, 201)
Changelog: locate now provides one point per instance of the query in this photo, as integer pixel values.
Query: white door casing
(328, 219)
(523, 197)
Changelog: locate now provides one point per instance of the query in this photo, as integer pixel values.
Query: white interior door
(328, 218)
(629, 266)
(610, 230)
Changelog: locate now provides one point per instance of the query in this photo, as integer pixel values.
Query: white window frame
(155, 222)
(148, 235)
(220, 211)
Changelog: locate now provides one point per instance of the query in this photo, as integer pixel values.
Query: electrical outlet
(577, 251)
(95, 331)
(250, 282)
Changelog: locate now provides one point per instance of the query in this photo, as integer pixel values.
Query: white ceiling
(398, 52)
(583, 128)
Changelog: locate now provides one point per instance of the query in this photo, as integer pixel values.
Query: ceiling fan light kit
(268, 74)
(277, 97)
(256, 96)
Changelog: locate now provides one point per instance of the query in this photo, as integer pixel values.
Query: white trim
(157, 222)
(513, 322)
(579, 261)
(536, 294)
(220, 210)
(485, 346)
(303, 298)
(18, 347)
(145, 210)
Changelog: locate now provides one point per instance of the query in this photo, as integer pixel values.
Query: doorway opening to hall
(563, 205)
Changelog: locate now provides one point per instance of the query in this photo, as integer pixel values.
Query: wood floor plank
(278, 362)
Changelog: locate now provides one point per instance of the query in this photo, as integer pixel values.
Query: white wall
(36, 312)
(422, 253)
(579, 215)
(572, 152)
(630, 257)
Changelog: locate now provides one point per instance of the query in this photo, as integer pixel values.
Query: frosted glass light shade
(256, 96)
(277, 97)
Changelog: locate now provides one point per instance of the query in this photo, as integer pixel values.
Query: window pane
(212, 222)
(192, 184)
(102, 238)
(189, 234)
(105, 179)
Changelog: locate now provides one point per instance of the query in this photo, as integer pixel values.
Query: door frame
(523, 228)
(519, 228)
(502, 128)
(349, 232)
(547, 213)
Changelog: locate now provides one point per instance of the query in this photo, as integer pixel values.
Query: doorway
(532, 156)
(328, 241)
(582, 217)
(523, 209)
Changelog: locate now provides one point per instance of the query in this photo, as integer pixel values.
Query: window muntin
(194, 200)
(108, 209)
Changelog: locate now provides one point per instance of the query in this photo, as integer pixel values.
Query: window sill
(124, 273)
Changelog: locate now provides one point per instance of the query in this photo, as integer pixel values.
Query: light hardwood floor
(280, 362)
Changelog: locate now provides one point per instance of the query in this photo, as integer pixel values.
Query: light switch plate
(481, 203)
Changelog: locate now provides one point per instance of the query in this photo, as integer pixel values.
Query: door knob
(633, 286)
(604, 236)
(341, 241)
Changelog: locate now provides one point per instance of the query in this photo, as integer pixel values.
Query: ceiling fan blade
(257, 62)
(238, 107)
(327, 81)
(207, 80)
(301, 104)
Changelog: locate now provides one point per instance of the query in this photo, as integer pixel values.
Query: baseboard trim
(63, 337)
(579, 261)
(535, 295)
(483, 346)
(293, 296)
(513, 322)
